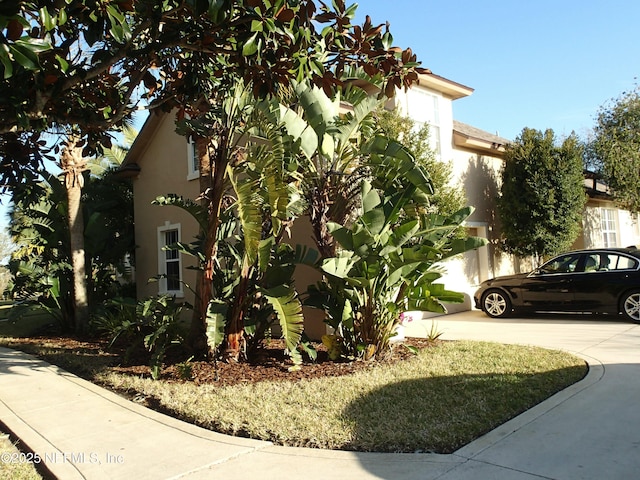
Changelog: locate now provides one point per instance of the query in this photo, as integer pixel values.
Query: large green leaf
(400, 236)
(288, 309)
(361, 111)
(339, 266)
(460, 216)
(461, 245)
(191, 249)
(264, 252)
(429, 297)
(342, 235)
(374, 221)
(300, 130)
(306, 256)
(189, 206)
(320, 112)
(370, 198)
(248, 203)
(392, 160)
(216, 318)
(402, 273)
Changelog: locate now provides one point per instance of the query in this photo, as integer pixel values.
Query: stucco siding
(163, 170)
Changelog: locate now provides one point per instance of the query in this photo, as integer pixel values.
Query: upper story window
(609, 226)
(424, 107)
(193, 164)
(169, 261)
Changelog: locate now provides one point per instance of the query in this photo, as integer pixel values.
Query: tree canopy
(616, 148)
(542, 194)
(87, 65)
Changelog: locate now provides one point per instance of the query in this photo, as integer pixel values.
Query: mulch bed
(270, 363)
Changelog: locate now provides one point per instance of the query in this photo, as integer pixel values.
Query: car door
(550, 287)
(598, 289)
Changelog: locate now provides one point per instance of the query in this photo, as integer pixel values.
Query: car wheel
(496, 304)
(631, 305)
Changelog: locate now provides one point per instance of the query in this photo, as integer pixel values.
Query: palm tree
(67, 235)
(73, 165)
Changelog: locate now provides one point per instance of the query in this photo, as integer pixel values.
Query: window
(563, 264)
(169, 261)
(609, 227)
(619, 262)
(193, 164)
(425, 108)
(604, 262)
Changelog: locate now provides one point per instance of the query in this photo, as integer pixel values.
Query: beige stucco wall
(163, 167)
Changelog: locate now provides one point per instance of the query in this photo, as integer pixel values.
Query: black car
(600, 280)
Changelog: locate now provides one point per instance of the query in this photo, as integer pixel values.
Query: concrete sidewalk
(589, 431)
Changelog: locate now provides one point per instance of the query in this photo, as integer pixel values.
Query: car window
(562, 264)
(592, 263)
(604, 261)
(612, 261)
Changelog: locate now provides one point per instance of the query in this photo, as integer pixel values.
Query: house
(161, 162)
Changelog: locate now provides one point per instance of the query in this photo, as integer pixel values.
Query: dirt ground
(270, 362)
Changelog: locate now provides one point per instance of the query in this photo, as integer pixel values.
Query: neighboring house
(163, 162)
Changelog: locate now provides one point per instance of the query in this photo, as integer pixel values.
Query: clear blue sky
(539, 64)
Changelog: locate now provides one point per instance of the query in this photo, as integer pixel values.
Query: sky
(538, 64)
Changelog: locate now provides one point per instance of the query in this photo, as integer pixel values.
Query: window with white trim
(426, 109)
(609, 226)
(193, 164)
(169, 261)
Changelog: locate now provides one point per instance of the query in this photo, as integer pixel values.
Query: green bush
(153, 323)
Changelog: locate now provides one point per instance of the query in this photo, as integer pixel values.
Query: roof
(452, 89)
(473, 138)
(596, 187)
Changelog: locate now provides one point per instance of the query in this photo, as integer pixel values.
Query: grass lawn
(437, 401)
(13, 463)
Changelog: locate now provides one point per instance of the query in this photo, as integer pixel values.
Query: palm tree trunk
(73, 165)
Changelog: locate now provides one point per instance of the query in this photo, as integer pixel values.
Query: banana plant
(252, 284)
(329, 137)
(388, 263)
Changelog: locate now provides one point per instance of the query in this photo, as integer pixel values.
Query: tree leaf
(250, 47)
(216, 321)
(288, 310)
